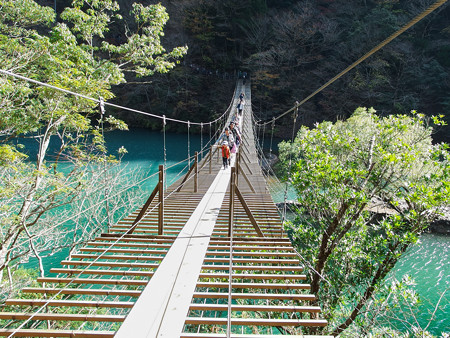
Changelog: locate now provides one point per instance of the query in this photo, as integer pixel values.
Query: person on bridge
(241, 97)
(235, 133)
(225, 154)
(240, 107)
(227, 136)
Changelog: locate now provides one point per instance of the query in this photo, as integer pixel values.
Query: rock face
(441, 225)
(268, 162)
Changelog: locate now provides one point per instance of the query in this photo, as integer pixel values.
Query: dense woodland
(290, 48)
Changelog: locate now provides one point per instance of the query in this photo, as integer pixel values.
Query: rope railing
(411, 23)
(69, 283)
(104, 103)
(98, 257)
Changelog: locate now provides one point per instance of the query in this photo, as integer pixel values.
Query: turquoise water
(427, 262)
(145, 152)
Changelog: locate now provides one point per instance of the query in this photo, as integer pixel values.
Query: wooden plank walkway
(194, 280)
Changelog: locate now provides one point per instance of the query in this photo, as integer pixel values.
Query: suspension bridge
(205, 257)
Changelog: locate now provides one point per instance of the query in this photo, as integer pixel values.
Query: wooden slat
(61, 316)
(119, 257)
(257, 321)
(93, 281)
(233, 335)
(251, 248)
(146, 252)
(252, 254)
(276, 286)
(259, 308)
(112, 264)
(253, 267)
(77, 303)
(57, 333)
(253, 276)
(253, 261)
(102, 272)
(101, 292)
(218, 295)
(132, 245)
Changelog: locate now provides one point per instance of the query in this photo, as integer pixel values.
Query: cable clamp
(102, 106)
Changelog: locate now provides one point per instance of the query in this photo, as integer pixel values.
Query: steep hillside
(290, 48)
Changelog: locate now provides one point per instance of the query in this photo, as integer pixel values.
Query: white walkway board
(162, 308)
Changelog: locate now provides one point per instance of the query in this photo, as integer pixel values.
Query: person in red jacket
(225, 154)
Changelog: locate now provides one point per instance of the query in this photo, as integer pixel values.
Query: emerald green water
(427, 262)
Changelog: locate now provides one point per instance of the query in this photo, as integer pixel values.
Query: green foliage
(71, 54)
(343, 172)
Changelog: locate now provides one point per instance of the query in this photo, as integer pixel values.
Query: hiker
(228, 137)
(241, 97)
(240, 107)
(225, 154)
(235, 133)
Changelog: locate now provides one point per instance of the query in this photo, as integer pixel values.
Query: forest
(290, 48)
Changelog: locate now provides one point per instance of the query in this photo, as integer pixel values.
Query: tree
(74, 54)
(340, 172)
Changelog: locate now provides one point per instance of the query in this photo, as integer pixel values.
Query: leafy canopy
(342, 173)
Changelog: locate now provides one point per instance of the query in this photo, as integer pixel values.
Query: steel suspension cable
(419, 17)
(209, 132)
(263, 135)
(9, 73)
(188, 144)
(290, 166)
(271, 136)
(165, 151)
(86, 268)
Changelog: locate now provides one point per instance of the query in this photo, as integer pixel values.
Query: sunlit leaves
(367, 188)
(67, 55)
(143, 48)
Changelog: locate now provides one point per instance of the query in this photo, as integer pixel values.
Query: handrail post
(231, 211)
(161, 201)
(238, 166)
(196, 172)
(210, 159)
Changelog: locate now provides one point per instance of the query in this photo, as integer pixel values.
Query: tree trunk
(324, 251)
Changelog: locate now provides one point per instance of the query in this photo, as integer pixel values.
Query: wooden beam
(254, 308)
(253, 267)
(57, 333)
(143, 210)
(61, 316)
(102, 272)
(111, 264)
(120, 257)
(257, 321)
(279, 296)
(252, 276)
(246, 179)
(73, 291)
(185, 178)
(223, 335)
(92, 281)
(252, 260)
(66, 303)
(161, 201)
(268, 286)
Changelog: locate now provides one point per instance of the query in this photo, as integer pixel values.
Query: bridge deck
(178, 284)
